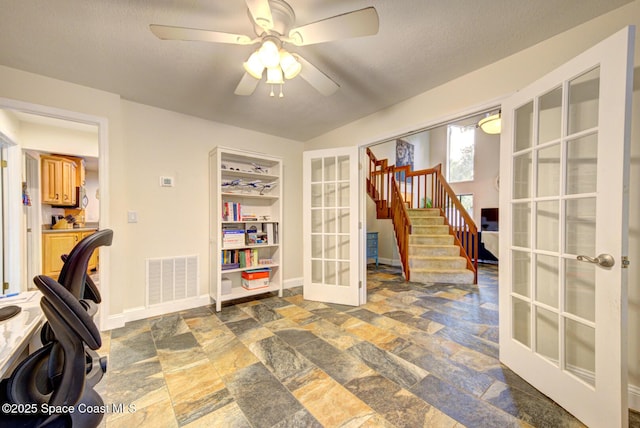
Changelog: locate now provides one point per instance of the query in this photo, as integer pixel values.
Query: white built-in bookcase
(252, 184)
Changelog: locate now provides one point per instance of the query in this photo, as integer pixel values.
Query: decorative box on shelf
(255, 278)
(233, 238)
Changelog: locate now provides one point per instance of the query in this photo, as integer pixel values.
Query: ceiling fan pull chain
(271, 94)
(281, 93)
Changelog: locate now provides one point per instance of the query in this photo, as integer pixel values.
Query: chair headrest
(69, 309)
(74, 271)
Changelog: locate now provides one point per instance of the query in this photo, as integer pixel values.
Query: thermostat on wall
(166, 181)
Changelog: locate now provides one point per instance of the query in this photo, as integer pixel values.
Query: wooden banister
(395, 189)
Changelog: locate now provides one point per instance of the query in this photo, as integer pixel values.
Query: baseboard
(390, 262)
(634, 398)
(141, 312)
(293, 282)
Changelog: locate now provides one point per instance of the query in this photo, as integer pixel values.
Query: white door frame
(103, 179)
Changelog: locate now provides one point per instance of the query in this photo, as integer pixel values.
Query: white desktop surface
(491, 242)
(16, 332)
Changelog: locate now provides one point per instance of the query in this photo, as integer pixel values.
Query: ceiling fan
(273, 22)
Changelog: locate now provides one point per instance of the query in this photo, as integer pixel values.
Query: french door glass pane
(330, 169)
(580, 289)
(330, 272)
(521, 273)
(316, 246)
(316, 195)
(330, 220)
(316, 271)
(580, 350)
(316, 170)
(547, 280)
(343, 273)
(343, 247)
(316, 221)
(522, 225)
(329, 247)
(580, 226)
(584, 97)
(343, 167)
(550, 116)
(521, 321)
(330, 195)
(582, 162)
(547, 225)
(522, 176)
(547, 332)
(523, 127)
(549, 171)
(343, 194)
(343, 220)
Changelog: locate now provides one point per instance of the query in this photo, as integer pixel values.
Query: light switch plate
(132, 216)
(166, 181)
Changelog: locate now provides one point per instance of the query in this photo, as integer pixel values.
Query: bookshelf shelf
(245, 208)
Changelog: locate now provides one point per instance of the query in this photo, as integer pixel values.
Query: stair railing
(401, 225)
(399, 188)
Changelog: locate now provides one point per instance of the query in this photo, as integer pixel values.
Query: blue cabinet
(372, 246)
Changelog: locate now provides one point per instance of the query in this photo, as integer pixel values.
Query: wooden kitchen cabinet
(59, 177)
(55, 244)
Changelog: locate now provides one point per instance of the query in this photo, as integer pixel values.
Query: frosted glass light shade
(290, 65)
(274, 76)
(254, 66)
(491, 124)
(269, 54)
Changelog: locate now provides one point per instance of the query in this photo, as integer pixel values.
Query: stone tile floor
(415, 355)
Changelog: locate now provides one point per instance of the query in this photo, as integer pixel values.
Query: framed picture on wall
(404, 157)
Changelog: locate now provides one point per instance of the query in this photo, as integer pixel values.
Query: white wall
(144, 143)
(487, 86)
(174, 221)
(46, 138)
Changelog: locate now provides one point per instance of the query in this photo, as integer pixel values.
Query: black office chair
(74, 278)
(73, 275)
(74, 330)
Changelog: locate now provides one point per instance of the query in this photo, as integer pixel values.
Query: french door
(330, 226)
(564, 204)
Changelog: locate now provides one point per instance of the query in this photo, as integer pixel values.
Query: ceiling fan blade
(363, 22)
(261, 13)
(317, 78)
(167, 32)
(247, 85)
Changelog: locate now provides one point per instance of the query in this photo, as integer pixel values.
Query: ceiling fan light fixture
(274, 76)
(254, 66)
(289, 64)
(491, 124)
(269, 53)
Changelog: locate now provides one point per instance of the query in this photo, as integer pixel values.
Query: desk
(491, 241)
(17, 332)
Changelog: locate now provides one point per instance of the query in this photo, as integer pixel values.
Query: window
(460, 152)
(467, 202)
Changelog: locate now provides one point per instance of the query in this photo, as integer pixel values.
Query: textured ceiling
(421, 44)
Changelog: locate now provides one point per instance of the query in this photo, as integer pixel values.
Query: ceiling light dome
(491, 124)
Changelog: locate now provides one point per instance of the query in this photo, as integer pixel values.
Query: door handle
(604, 260)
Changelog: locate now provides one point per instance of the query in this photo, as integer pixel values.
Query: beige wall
(487, 86)
(144, 143)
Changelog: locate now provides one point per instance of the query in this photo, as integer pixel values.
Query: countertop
(75, 229)
(17, 332)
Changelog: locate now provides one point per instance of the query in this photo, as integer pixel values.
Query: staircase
(436, 244)
(433, 254)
